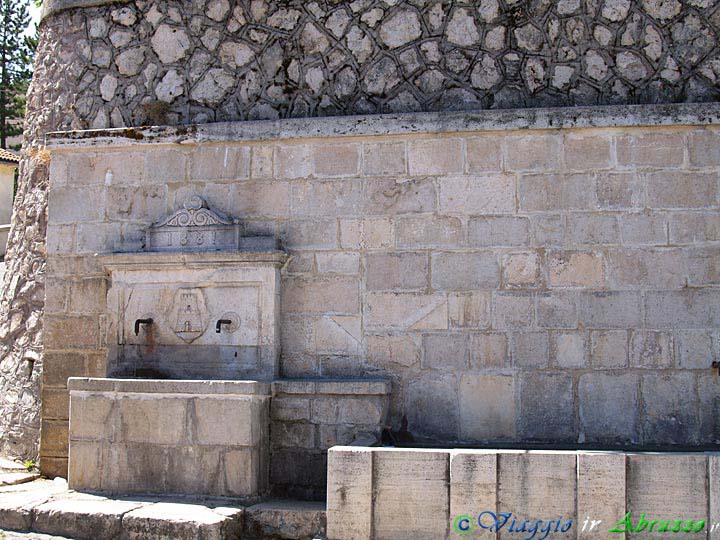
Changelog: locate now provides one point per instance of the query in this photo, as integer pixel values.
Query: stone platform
(46, 507)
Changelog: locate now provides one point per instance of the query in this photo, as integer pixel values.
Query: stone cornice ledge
(395, 124)
(50, 7)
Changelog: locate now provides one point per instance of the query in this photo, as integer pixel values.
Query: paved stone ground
(49, 508)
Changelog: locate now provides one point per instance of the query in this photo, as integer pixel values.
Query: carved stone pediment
(193, 228)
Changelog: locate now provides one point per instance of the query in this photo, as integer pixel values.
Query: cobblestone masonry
(517, 286)
(202, 61)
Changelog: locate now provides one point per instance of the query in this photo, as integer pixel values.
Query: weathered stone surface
(170, 43)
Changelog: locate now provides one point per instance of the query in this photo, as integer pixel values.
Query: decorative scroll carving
(194, 228)
(195, 213)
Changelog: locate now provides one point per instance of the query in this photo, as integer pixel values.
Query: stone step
(9, 466)
(49, 508)
(14, 478)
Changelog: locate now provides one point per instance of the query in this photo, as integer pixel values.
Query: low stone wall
(376, 493)
(308, 417)
(182, 437)
(543, 276)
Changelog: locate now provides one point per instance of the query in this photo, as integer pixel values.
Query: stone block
(293, 161)
(675, 189)
(59, 169)
(387, 196)
(690, 308)
(350, 493)
(338, 334)
(643, 229)
(569, 349)
(694, 349)
(654, 350)
(498, 231)
(431, 403)
(470, 310)
(446, 351)
(521, 270)
(384, 159)
(592, 229)
(618, 190)
(310, 234)
(714, 494)
(94, 238)
(473, 485)
(361, 410)
(327, 198)
(85, 465)
(551, 192)
(530, 350)
(547, 230)
(265, 199)
(220, 163)
(261, 162)
(429, 232)
(576, 269)
(292, 435)
(435, 156)
(476, 195)
(667, 418)
(704, 148)
(650, 149)
(609, 349)
(608, 310)
(543, 419)
(386, 351)
(325, 411)
(533, 152)
(587, 152)
(59, 366)
(71, 332)
(688, 228)
(337, 294)
(60, 239)
(338, 263)
(157, 421)
(105, 168)
(703, 266)
(406, 311)
(600, 492)
(512, 310)
(484, 154)
(87, 296)
(487, 407)
(228, 421)
(290, 408)
(648, 477)
(71, 205)
(464, 271)
(557, 309)
(333, 160)
(415, 485)
(94, 417)
(285, 519)
(609, 405)
(83, 516)
(165, 165)
(643, 268)
(373, 233)
(181, 522)
(388, 271)
(136, 203)
(55, 403)
(543, 483)
(488, 350)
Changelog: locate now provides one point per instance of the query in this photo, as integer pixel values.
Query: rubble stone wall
(103, 64)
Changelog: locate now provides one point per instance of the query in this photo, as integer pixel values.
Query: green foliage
(16, 56)
(30, 465)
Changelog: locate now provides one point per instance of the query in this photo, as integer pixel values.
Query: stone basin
(183, 437)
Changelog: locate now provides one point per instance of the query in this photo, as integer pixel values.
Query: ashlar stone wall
(537, 285)
(105, 63)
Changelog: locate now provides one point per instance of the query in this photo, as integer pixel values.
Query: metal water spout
(218, 326)
(138, 322)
